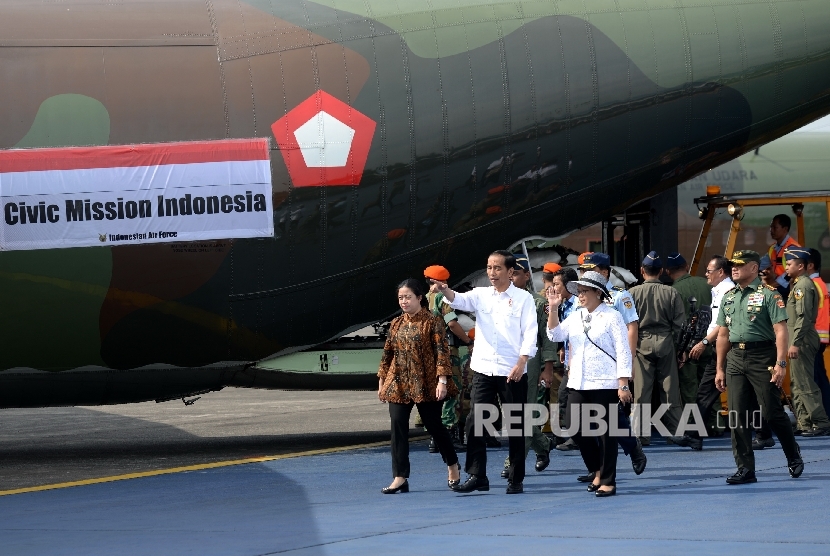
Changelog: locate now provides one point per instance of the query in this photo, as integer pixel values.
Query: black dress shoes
(472, 484)
(761, 443)
(796, 465)
(505, 473)
(638, 458)
(569, 444)
(493, 442)
(592, 487)
(816, 432)
(542, 461)
(586, 478)
(604, 493)
(690, 441)
(403, 487)
(742, 477)
(515, 488)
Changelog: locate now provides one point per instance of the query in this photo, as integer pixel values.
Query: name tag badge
(755, 299)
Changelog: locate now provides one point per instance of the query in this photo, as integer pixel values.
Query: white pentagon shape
(324, 141)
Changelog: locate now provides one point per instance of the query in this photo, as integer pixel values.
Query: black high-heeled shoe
(403, 487)
(450, 482)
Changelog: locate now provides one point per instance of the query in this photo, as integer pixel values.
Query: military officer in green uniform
(451, 414)
(661, 316)
(546, 354)
(690, 371)
(752, 339)
(802, 310)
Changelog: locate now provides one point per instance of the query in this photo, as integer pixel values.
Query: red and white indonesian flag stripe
(116, 195)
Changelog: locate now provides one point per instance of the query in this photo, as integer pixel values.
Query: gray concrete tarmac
(54, 445)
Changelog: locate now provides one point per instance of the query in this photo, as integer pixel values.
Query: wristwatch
(623, 388)
(442, 379)
(782, 364)
(705, 342)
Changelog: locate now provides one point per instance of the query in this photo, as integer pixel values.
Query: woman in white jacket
(600, 366)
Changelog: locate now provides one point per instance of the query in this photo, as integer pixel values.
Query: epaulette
(773, 288)
(617, 288)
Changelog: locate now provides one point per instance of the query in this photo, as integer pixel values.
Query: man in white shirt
(506, 333)
(718, 273)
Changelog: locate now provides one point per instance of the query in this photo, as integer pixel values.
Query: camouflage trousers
(457, 408)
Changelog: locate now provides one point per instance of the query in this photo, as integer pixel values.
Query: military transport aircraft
(401, 134)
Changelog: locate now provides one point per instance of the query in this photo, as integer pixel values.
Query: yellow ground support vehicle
(736, 206)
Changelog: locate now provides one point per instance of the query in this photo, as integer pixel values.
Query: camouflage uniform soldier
(691, 372)
(545, 356)
(661, 315)
(752, 339)
(802, 310)
(451, 412)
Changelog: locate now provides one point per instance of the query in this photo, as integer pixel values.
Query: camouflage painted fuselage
(495, 120)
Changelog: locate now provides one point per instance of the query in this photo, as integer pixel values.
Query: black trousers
(485, 389)
(598, 452)
(431, 416)
(563, 398)
(820, 376)
(707, 393)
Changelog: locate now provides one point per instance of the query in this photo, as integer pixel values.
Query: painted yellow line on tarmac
(197, 467)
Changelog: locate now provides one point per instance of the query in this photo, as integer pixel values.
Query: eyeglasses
(711, 270)
(582, 292)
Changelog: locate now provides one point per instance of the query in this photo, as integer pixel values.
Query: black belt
(752, 345)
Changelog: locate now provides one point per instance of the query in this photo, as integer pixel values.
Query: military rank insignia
(798, 294)
(627, 304)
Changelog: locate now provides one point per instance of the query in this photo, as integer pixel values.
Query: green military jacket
(802, 310)
(658, 306)
(693, 286)
(546, 349)
(749, 313)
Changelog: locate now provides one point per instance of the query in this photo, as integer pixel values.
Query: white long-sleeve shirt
(590, 368)
(506, 327)
(717, 294)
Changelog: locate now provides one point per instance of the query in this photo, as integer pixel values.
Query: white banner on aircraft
(123, 195)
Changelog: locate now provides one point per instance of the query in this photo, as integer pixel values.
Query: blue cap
(523, 263)
(653, 260)
(591, 260)
(797, 252)
(765, 263)
(675, 260)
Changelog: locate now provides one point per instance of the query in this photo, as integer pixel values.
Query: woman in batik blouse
(416, 370)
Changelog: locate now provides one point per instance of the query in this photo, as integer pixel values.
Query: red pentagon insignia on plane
(324, 141)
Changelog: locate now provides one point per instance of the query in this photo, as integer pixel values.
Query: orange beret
(437, 272)
(581, 259)
(551, 267)
(472, 333)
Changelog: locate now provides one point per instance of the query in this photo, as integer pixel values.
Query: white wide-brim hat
(590, 279)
